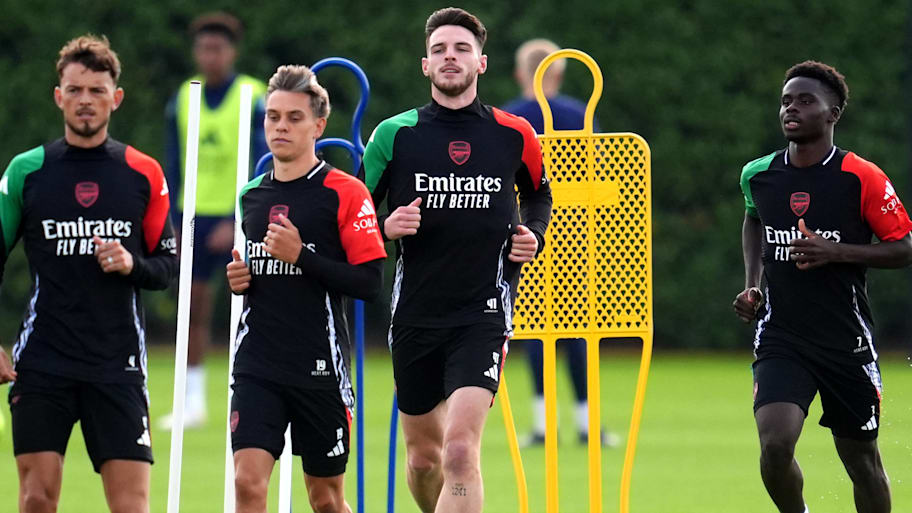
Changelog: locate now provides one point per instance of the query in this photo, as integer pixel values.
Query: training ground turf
(697, 450)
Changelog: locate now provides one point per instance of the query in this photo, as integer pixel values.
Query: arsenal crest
(86, 193)
(275, 211)
(800, 201)
(459, 152)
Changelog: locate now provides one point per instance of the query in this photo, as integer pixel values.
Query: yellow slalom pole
(627, 473)
(549, 345)
(595, 424)
(521, 488)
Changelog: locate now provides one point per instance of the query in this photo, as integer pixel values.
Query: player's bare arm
(815, 251)
(403, 221)
(113, 257)
(7, 373)
(524, 245)
(748, 301)
(238, 273)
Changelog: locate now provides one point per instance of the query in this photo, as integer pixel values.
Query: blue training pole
(356, 150)
(391, 480)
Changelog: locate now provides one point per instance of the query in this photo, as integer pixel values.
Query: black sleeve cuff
(381, 222)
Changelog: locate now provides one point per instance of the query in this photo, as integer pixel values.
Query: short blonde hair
(297, 78)
(530, 54)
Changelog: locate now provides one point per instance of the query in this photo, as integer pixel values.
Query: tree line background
(699, 79)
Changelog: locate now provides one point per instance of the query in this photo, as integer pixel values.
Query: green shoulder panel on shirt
(750, 169)
(250, 185)
(11, 192)
(379, 150)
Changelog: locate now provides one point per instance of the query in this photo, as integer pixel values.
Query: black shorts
(114, 417)
(320, 423)
(849, 394)
(429, 364)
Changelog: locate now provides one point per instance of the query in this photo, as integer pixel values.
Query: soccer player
(93, 216)
(811, 211)
(450, 171)
(215, 39)
(312, 239)
(567, 113)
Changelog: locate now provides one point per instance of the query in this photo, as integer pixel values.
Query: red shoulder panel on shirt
(157, 209)
(531, 154)
(357, 218)
(880, 206)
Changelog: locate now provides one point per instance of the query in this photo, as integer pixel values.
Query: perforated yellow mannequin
(594, 278)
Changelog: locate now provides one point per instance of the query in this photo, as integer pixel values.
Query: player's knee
(132, 502)
(250, 488)
(776, 452)
(324, 500)
(38, 500)
(423, 463)
(864, 469)
(460, 458)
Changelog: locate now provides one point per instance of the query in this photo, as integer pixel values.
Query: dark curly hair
(825, 73)
(456, 16)
(220, 23)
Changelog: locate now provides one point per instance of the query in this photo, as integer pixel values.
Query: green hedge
(698, 79)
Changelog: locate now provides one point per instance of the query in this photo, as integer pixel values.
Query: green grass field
(697, 450)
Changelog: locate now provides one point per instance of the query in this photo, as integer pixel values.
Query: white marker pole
(237, 302)
(183, 300)
(285, 475)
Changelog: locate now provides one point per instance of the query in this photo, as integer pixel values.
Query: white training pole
(237, 302)
(285, 475)
(183, 300)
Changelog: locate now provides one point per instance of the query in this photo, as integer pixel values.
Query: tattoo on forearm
(459, 490)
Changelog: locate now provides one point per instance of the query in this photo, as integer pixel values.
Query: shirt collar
(310, 174)
(475, 108)
(822, 163)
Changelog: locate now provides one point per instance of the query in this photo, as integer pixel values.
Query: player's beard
(85, 129)
(454, 89)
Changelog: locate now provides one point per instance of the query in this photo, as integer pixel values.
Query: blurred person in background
(215, 40)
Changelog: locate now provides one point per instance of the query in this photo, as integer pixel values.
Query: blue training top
(568, 113)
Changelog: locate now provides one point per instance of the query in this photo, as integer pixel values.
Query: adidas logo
(145, 439)
(367, 218)
(889, 191)
(491, 305)
(492, 372)
(367, 209)
(871, 425)
(338, 450)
